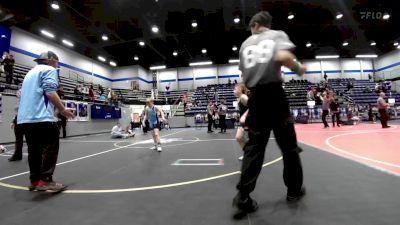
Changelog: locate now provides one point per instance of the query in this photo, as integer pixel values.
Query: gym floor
(351, 175)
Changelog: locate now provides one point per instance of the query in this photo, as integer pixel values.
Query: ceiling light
(234, 48)
(55, 5)
(234, 61)
(46, 33)
(136, 58)
(101, 58)
(200, 63)
(367, 56)
(373, 43)
(66, 42)
(327, 56)
(104, 37)
(345, 43)
(396, 43)
(155, 29)
(141, 43)
(386, 16)
(291, 16)
(204, 51)
(175, 53)
(194, 23)
(308, 44)
(339, 16)
(157, 67)
(398, 47)
(236, 20)
(113, 63)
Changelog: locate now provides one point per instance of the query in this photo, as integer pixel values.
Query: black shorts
(154, 126)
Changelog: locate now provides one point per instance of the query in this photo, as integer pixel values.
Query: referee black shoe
(243, 206)
(297, 196)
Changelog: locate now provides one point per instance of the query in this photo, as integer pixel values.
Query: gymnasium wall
(123, 76)
(388, 67)
(26, 47)
(73, 127)
(192, 77)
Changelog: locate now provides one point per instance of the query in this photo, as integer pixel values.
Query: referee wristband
(297, 67)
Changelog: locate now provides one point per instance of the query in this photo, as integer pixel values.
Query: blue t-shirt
(34, 105)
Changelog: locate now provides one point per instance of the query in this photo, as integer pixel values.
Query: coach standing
(39, 99)
(261, 58)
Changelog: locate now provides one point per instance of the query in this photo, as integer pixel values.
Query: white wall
(145, 75)
(185, 78)
(129, 73)
(168, 76)
(388, 65)
(25, 45)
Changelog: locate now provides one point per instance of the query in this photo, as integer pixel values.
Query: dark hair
(263, 18)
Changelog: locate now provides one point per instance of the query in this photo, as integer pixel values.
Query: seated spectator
(310, 95)
(367, 89)
(78, 93)
(101, 90)
(118, 132)
(91, 93)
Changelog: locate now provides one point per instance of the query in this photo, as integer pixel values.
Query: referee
(261, 58)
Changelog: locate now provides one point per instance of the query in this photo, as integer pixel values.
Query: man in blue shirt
(39, 99)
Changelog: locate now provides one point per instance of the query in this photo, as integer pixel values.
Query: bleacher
(126, 96)
(358, 94)
(296, 92)
(203, 94)
(69, 84)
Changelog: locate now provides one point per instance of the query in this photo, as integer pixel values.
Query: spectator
(310, 95)
(235, 81)
(62, 123)
(210, 113)
(60, 91)
(325, 77)
(334, 107)
(185, 99)
(8, 64)
(101, 90)
(370, 77)
(78, 93)
(222, 110)
(19, 135)
(229, 82)
(91, 93)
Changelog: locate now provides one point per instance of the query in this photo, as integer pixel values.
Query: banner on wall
(135, 85)
(1, 107)
(81, 110)
(74, 106)
(105, 112)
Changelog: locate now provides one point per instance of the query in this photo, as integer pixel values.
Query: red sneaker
(33, 186)
(50, 186)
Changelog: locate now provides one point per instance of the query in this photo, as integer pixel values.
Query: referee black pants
(269, 111)
(43, 145)
(210, 122)
(384, 117)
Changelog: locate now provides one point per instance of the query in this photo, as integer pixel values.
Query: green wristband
(297, 67)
